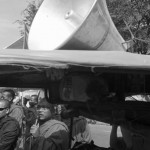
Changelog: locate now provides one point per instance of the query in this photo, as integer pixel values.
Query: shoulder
(10, 129)
(53, 128)
(13, 106)
(16, 108)
(80, 121)
(80, 118)
(80, 124)
(58, 125)
(11, 123)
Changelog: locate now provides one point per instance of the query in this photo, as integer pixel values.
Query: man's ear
(7, 110)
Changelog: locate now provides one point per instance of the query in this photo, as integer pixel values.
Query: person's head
(4, 108)
(45, 110)
(8, 94)
(33, 100)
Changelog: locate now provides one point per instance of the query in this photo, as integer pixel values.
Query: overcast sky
(10, 11)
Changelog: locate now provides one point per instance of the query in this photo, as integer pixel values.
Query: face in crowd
(8, 95)
(45, 111)
(4, 108)
(33, 101)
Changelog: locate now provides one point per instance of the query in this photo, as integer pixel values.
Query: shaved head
(34, 98)
(8, 94)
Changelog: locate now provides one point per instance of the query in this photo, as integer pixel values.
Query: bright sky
(10, 11)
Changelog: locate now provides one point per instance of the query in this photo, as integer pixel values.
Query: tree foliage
(29, 14)
(132, 19)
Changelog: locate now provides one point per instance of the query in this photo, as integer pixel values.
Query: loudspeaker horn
(74, 25)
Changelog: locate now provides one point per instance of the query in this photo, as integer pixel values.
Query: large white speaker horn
(74, 24)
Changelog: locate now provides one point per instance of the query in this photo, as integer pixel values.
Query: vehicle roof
(65, 58)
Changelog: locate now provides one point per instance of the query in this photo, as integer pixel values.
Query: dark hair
(45, 103)
(12, 93)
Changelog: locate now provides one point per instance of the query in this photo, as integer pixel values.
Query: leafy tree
(132, 19)
(29, 14)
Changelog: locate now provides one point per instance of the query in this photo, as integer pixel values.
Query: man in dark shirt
(15, 110)
(9, 127)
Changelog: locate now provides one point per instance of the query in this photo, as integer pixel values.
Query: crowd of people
(32, 125)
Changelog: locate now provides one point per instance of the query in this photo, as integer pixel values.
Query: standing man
(9, 127)
(31, 113)
(54, 131)
(15, 110)
(32, 110)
